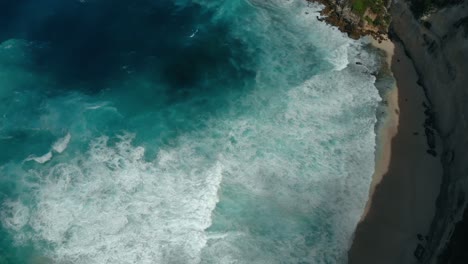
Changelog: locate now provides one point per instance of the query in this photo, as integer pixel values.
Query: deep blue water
(178, 131)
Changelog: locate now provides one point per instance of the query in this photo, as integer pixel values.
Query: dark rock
(430, 138)
(449, 157)
(432, 47)
(427, 24)
(455, 250)
(461, 22)
(340, 14)
(419, 252)
(432, 152)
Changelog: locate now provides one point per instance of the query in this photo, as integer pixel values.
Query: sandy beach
(400, 209)
(389, 126)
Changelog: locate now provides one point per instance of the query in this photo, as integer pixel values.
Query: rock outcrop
(357, 18)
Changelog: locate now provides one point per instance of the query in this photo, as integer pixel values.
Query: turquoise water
(181, 132)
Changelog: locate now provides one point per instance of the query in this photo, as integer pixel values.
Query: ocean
(181, 131)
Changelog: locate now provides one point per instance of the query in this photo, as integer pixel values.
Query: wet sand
(406, 180)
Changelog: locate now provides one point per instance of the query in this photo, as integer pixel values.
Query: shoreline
(397, 217)
(388, 128)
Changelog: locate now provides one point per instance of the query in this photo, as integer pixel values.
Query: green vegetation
(369, 20)
(382, 20)
(360, 6)
(378, 16)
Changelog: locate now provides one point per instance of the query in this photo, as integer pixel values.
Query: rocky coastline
(355, 20)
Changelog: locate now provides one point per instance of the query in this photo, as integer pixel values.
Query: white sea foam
(314, 158)
(323, 141)
(117, 208)
(61, 144)
(41, 159)
(339, 57)
(194, 33)
(14, 215)
(94, 107)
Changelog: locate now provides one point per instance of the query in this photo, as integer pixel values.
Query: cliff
(438, 46)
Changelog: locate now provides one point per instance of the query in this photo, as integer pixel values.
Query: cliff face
(438, 46)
